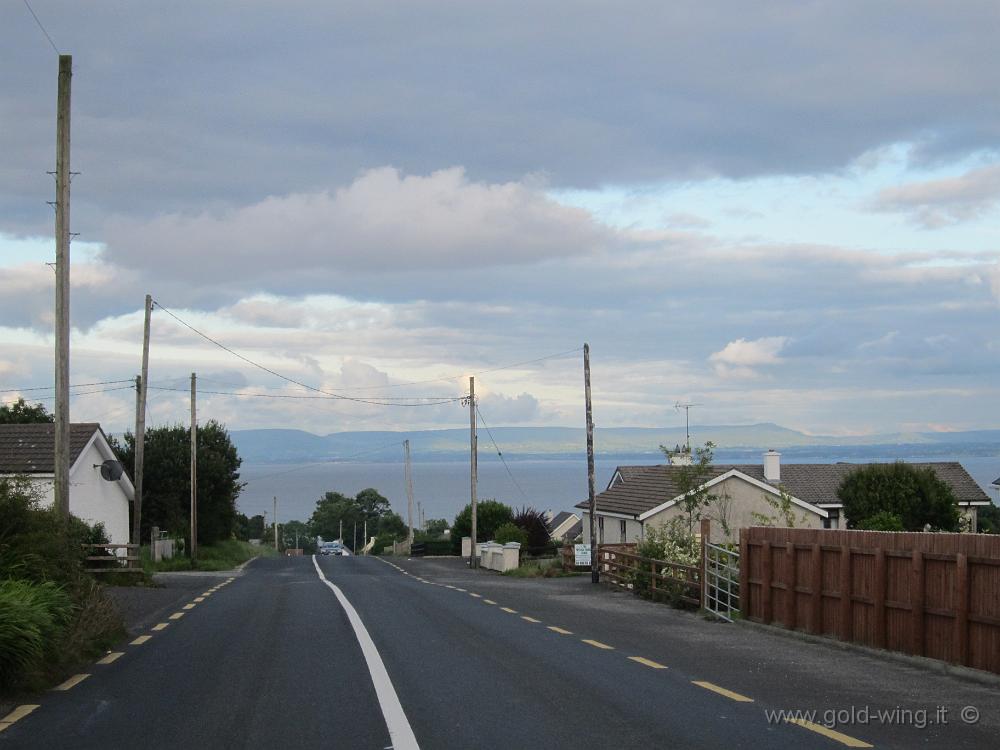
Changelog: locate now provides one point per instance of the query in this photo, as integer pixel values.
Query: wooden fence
(111, 561)
(656, 579)
(934, 595)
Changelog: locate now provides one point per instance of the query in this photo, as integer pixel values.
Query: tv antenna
(687, 421)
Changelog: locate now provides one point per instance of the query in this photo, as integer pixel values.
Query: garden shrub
(510, 532)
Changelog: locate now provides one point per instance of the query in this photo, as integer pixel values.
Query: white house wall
(91, 498)
(744, 500)
(612, 533)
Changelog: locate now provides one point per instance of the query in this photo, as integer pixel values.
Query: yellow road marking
(72, 682)
(648, 662)
(561, 631)
(207, 593)
(478, 596)
(140, 640)
(529, 619)
(18, 713)
(722, 691)
(598, 644)
(160, 626)
(508, 609)
(199, 599)
(488, 601)
(843, 739)
(176, 616)
(192, 605)
(112, 657)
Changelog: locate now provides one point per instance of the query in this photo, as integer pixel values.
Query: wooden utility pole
(594, 572)
(474, 466)
(364, 537)
(63, 176)
(142, 388)
(194, 468)
(276, 523)
(409, 490)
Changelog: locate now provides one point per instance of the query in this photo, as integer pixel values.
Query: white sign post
(582, 552)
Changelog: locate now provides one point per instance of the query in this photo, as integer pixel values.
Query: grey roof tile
(30, 448)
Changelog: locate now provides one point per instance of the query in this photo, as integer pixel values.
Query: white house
(638, 497)
(29, 449)
(563, 525)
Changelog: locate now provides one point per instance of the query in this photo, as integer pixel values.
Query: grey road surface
(476, 660)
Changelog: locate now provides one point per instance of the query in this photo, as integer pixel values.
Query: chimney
(772, 467)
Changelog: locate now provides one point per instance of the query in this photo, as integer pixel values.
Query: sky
(780, 211)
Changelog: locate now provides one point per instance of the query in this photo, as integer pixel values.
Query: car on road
(331, 548)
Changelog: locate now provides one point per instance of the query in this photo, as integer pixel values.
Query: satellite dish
(111, 470)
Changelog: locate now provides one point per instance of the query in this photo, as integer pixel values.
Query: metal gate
(722, 581)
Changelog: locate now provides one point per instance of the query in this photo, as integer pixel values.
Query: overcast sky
(782, 212)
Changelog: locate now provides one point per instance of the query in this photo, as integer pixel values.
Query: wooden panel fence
(934, 595)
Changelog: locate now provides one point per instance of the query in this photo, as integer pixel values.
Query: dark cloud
(185, 106)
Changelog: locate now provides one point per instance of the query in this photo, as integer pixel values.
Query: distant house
(564, 525)
(29, 449)
(642, 496)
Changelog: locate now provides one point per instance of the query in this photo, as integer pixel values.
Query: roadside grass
(224, 555)
(540, 569)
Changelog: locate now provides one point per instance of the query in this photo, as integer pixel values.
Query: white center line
(400, 731)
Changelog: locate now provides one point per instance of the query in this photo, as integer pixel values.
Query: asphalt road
(430, 653)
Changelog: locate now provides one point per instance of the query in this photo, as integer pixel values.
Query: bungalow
(638, 496)
(564, 525)
(29, 449)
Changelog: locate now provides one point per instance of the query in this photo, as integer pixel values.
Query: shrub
(882, 521)
(32, 616)
(536, 528)
(668, 543)
(490, 516)
(915, 495)
(510, 532)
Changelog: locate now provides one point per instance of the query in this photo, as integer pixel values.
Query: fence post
(744, 573)
(878, 597)
(706, 533)
(817, 589)
(846, 623)
(962, 608)
(790, 611)
(765, 583)
(917, 602)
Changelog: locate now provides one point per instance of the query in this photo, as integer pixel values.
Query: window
(622, 525)
(600, 530)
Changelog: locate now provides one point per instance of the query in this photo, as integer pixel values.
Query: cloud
(382, 222)
(738, 358)
(933, 204)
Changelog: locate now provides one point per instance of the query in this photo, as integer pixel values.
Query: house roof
(645, 487)
(997, 481)
(559, 518)
(30, 448)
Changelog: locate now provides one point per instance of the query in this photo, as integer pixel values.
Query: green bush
(490, 516)
(914, 494)
(509, 532)
(32, 617)
(882, 521)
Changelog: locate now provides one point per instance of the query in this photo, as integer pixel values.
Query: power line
(79, 393)
(78, 385)
(386, 402)
(500, 454)
(268, 370)
(33, 15)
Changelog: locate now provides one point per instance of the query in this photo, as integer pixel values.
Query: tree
(298, 531)
(988, 519)
(392, 525)
(249, 528)
(436, 527)
(535, 528)
(21, 412)
(490, 516)
(166, 492)
(367, 506)
(690, 480)
(916, 496)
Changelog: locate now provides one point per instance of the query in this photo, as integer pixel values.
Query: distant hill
(292, 446)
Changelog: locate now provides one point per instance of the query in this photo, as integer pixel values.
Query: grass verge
(540, 569)
(219, 556)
